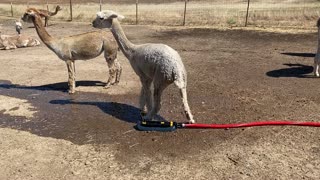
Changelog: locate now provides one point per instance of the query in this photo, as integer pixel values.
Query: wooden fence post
(185, 12)
(246, 23)
(47, 6)
(70, 10)
(100, 5)
(11, 10)
(137, 3)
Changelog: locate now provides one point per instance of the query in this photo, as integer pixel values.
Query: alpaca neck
(125, 45)
(55, 12)
(42, 33)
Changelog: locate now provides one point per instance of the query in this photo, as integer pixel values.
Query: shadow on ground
(71, 117)
(61, 86)
(120, 111)
(293, 70)
(299, 54)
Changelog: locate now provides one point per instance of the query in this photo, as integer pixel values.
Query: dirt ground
(233, 76)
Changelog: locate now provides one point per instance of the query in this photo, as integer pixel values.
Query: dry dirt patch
(233, 76)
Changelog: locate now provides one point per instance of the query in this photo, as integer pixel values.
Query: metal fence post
(247, 14)
(70, 10)
(11, 10)
(185, 12)
(137, 3)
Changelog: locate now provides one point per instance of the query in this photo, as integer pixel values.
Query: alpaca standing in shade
(153, 63)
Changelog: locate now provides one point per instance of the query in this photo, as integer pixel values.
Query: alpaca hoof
(71, 91)
(143, 113)
(316, 74)
(146, 118)
(191, 121)
(108, 85)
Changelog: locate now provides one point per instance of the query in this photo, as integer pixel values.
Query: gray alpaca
(153, 63)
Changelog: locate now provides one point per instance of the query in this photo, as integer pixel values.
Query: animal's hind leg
(316, 65)
(115, 69)
(118, 71)
(187, 111)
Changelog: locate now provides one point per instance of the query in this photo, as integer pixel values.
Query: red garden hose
(251, 124)
(171, 126)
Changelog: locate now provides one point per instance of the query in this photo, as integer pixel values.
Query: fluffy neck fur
(125, 45)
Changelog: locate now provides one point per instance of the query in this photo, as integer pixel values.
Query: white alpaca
(153, 63)
(18, 26)
(317, 57)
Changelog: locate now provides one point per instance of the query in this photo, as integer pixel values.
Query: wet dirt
(233, 76)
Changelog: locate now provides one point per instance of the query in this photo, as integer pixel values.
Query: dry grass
(262, 13)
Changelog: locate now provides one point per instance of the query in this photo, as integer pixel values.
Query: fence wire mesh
(171, 12)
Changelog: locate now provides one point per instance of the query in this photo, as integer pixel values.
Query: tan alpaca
(79, 47)
(47, 14)
(17, 41)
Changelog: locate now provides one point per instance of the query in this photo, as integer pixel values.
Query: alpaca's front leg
(114, 70)
(156, 102)
(71, 76)
(145, 96)
(46, 22)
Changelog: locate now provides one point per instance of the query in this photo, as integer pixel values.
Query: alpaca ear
(113, 16)
(110, 14)
(118, 16)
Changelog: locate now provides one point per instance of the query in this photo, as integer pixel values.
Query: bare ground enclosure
(234, 76)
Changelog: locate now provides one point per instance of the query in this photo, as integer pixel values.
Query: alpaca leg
(187, 111)
(118, 71)
(112, 74)
(316, 65)
(71, 76)
(114, 69)
(46, 22)
(145, 101)
(158, 89)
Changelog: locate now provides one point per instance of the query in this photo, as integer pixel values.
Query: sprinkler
(168, 126)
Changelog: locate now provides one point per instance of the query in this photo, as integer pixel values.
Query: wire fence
(300, 13)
